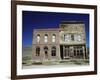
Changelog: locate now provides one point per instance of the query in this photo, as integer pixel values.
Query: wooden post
(63, 52)
(83, 53)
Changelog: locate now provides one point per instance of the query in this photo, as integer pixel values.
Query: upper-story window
(72, 37)
(53, 38)
(79, 37)
(66, 37)
(46, 38)
(38, 38)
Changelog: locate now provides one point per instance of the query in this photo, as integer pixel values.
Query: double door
(66, 52)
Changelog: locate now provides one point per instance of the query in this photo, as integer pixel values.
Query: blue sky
(37, 20)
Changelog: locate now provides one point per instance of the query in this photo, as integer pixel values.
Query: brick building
(66, 42)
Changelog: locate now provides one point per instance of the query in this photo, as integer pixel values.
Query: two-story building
(66, 42)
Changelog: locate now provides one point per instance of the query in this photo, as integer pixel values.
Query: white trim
(21, 71)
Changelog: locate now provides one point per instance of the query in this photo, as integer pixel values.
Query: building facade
(66, 42)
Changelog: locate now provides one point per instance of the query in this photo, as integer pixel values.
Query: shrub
(23, 62)
(26, 58)
(37, 63)
(86, 61)
(78, 63)
(62, 61)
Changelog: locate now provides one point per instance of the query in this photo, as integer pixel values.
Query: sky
(37, 20)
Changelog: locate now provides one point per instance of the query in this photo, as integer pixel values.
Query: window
(53, 52)
(72, 37)
(37, 51)
(66, 37)
(46, 38)
(79, 37)
(74, 52)
(81, 52)
(38, 38)
(53, 38)
(78, 52)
